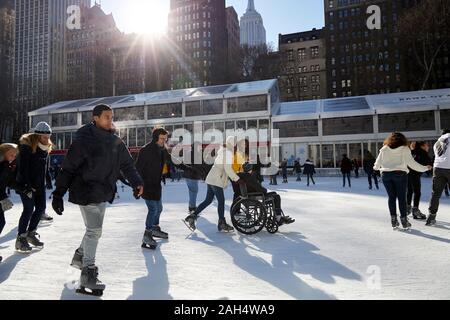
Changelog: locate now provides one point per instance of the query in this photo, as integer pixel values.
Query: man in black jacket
(150, 162)
(90, 172)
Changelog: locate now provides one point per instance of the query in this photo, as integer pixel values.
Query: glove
(58, 204)
(6, 204)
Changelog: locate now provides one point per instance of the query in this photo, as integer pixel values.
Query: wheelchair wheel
(271, 225)
(248, 216)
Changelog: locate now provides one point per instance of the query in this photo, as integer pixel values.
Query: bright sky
(280, 16)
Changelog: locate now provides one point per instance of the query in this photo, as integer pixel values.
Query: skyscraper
(197, 32)
(361, 60)
(89, 60)
(39, 70)
(7, 24)
(253, 32)
(233, 43)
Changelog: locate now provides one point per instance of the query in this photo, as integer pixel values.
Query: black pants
(310, 176)
(33, 209)
(371, 176)
(440, 178)
(346, 175)
(414, 188)
(357, 173)
(276, 201)
(2, 220)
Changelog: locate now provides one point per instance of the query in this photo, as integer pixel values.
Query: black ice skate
(417, 215)
(405, 223)
(33, 239)
(431, 221)
(46, 218)
(148, 242)
(22, 245)
(77, 260)
(223, 226)
(394, 222)
(89, 282)
(190, 222)
(158, 233)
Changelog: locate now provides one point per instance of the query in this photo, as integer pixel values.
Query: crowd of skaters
(98, 158)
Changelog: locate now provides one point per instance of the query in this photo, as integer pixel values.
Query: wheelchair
(251, 212)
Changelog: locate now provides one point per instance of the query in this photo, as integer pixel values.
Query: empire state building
(253, 32)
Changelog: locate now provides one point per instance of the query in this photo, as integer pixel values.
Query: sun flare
(146, 17)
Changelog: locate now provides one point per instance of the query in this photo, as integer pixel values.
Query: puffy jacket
(421, 157)
(308, 168)
(32, 168)
(150, 163)
(346, 165)
(398, 159)
(222, 168)
(93, 165)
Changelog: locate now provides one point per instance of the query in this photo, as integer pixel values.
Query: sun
(147, 17)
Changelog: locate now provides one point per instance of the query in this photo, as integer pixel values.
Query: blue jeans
(211, 192)
(33, 209)
(193, 191)
(396, 184)
(154, 212)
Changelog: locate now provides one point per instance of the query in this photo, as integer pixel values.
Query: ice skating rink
(340, 247)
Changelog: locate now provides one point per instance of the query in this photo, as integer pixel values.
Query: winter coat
(7, 177)
(238, 161)
(196, 171)
(346, 165)
(252, 183)
(442, 160)
(368, 166)
(397, 160)
(93, 165)
(32, 168)
(297, 167)
(284, 167)
(150, 164)
(222, 168)
(308, 168)
(422, 157)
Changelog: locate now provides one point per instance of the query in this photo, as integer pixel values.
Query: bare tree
(258, 62)
(425, 31)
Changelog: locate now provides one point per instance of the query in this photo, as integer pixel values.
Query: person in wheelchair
(254, 186)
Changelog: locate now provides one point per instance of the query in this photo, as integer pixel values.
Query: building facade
(39, 70)
(197, 32)
(320, 130)
(253, 32)
(233, 42)
(89, 60)
(303, 66)
(361, 61)
(7, 25)
(128, 65)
